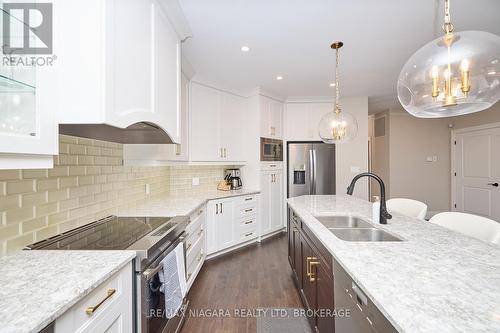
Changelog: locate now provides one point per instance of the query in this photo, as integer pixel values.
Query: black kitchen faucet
(384, 214)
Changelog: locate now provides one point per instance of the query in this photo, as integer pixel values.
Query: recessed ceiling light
(332, 84)
(492, 73)
(279, 78)
(245, 48)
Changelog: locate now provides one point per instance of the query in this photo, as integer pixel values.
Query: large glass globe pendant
(337, 126)
(453, 75)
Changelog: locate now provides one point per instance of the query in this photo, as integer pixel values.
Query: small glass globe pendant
(453, 75)
(337, 126)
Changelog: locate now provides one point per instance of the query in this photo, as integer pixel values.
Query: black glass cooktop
(111, 233)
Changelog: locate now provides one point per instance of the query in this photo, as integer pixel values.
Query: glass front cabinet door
(28, 131)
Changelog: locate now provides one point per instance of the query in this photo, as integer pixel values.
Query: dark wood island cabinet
(324, 284)
(313, 274)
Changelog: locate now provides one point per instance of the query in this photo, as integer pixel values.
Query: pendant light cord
(447, 26)
(337, 88)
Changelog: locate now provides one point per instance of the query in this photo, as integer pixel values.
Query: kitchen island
(434, 280)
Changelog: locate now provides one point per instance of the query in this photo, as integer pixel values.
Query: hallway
(255, 277)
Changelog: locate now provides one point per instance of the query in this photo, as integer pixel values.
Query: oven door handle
(148, 273)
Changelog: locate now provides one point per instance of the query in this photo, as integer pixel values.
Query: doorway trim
(453, 156)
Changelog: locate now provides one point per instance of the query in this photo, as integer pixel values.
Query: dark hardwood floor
(258, 276)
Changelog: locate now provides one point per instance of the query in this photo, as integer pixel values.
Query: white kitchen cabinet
(232, 222)
(271, 203)
(204, 132)
(217, 121)
(271, 118)
(131, 74)
(221, 226)
(302, 120)
(195, 241)
(28, 129)
(114, 314)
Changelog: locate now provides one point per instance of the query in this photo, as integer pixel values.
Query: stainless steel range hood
(138, 133)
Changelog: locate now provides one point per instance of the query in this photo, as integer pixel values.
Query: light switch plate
(196, 181)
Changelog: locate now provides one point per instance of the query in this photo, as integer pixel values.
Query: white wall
(302, 118)
(411, 140)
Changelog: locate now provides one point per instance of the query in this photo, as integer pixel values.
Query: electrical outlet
(196, 181)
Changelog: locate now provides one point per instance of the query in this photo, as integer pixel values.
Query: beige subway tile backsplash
(87, 183)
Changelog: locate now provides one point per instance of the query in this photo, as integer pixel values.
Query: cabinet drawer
(112, 298)
(271, 166)
(248, 224)
(194, 236)
(194, 266)
(248, 210)
(196, 219)
(249, 234)
(247, 199)
(194, 251)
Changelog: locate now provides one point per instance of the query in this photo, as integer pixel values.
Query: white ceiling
(292, 38)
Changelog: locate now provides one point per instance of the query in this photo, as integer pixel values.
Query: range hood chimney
(138, 133)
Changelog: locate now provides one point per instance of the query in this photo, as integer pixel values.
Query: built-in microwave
(271, 150)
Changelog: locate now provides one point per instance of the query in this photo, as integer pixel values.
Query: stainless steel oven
(271, 150)
(152, 238)
(152, 301)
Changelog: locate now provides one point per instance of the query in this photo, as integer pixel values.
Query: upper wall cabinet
(119, 62)
(271, 118)
(302, 120)
(28, 132)
(217, 125)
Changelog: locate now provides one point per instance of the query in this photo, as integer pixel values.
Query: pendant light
(455, 74)
(337, 126)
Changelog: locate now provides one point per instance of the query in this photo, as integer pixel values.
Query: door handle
(221, 207)
(216, 209)
(493, 184)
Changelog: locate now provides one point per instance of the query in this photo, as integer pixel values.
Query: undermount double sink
(354, 229)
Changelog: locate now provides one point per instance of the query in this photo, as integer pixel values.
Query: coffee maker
(233, 177)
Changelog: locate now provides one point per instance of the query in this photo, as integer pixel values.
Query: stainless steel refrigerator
(311, 168)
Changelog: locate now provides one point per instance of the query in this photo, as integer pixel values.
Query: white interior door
(478, 172)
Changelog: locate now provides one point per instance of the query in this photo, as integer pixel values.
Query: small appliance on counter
(233, 177)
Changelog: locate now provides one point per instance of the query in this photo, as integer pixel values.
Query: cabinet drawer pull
(200, 232)
(249, 234)
(189, 276)
(200, 256)
(248, 199)
(91, 309)
(249, 222)
(188, 246)
(200, 212)
(248, 210)
(272, 166)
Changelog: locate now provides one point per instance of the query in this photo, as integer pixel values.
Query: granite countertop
(436, 280)
(171, 205)
(36, 287)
